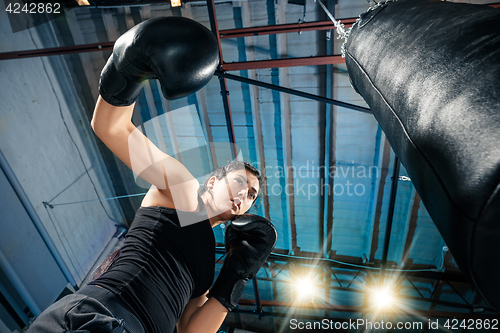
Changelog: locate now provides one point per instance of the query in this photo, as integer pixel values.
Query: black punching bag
(430, 72)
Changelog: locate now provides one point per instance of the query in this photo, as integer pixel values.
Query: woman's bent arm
(202, 316)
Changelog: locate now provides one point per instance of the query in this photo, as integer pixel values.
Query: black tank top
(162, 265)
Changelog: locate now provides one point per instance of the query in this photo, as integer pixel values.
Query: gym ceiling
(347, 215)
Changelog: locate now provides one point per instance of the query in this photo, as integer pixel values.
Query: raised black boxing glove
(249, 241)
(179, 52)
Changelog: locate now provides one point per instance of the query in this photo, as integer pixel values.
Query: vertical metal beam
(408, 201)
(412, 227)
(329, 152)
(274, 295)
(88, 59)
(257, 294)
(129, 19)
(202, 110)
(259, 143)
(390, 215)
(385, 160)
(377, 194)
(223, 84)
(208, 127)
(329, 163)
(256, 119)
(328, 281)
(109, 24)
(324, 147)
(286, 132)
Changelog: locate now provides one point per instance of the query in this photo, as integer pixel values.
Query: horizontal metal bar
(283, 28)
(291, 27)
(287, 315)
(321, 262)
(305, 305)
(364, 291)
(293, 92)
(232, 33)
(288, 62)
(361, 309)
(57, 51)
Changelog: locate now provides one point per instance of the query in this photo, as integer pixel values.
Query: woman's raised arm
(183, 60)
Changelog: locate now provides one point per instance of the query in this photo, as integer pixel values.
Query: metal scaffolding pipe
(293, 92)
(390, 216)
(57, 51)
(223, 84)
(23, 198)
(318, 261)
(361, 309)
(287, 315)
(364, 291)
(282, 28)
(18, 283)
(289, 62)
(257, 294)
(229, 33)
(15, 310)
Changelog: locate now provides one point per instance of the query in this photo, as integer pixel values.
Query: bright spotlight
(175, 3)
(304, 288)
(382, 298)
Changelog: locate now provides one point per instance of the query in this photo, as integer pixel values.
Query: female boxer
(160, 279)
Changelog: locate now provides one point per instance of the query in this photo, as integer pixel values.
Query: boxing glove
(181, 53)
(249, 241)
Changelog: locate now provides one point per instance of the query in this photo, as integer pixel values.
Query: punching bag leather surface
(430, 71)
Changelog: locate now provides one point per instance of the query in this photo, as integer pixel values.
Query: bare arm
(114, 127)
(202, 315)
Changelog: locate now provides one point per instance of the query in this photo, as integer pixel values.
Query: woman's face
(234, 194)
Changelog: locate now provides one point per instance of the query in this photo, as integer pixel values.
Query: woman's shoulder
(183, 199)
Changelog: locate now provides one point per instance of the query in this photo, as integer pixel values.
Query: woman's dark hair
(223, 171)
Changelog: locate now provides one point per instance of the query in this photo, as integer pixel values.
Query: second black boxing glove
(249, 241)
(181, 53)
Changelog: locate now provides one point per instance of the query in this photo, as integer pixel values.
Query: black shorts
(91, 309)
